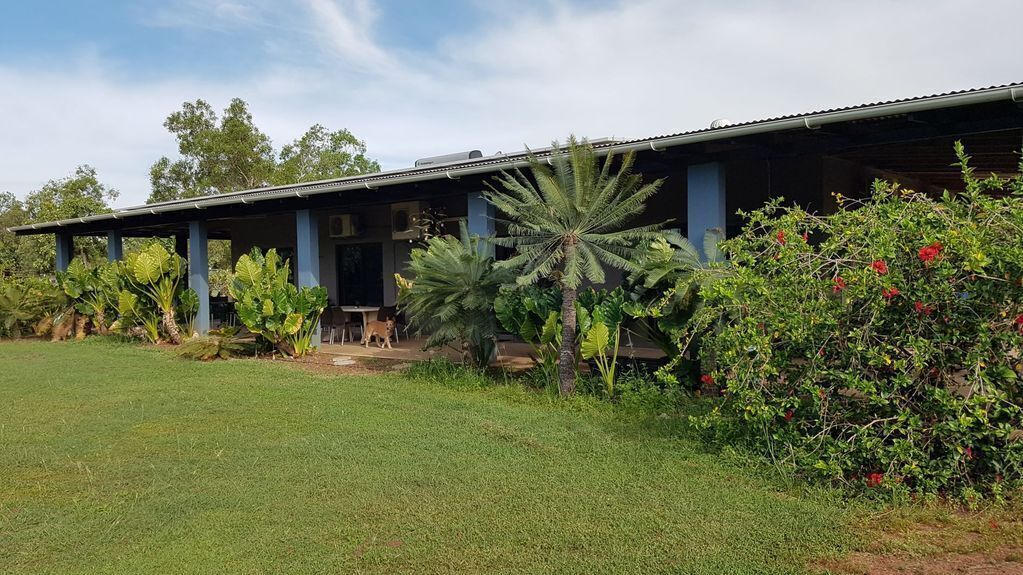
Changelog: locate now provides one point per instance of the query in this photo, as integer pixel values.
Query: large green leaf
(596, 341)
(147, 268)
(292, 323)
(127, 303)
(247, 271)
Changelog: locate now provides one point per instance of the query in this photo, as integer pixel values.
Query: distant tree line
(217, 154)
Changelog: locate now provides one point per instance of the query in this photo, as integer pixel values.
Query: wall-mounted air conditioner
(406, 220)
(344, 226)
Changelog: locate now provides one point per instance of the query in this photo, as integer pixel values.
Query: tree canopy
(74, 196)
(228, 153)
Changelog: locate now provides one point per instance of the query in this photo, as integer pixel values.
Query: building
(351, 234)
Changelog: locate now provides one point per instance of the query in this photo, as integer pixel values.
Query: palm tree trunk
(566, 355)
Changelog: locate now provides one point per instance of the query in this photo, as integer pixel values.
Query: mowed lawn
(120, 459)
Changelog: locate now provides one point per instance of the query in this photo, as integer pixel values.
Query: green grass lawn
(119, 459)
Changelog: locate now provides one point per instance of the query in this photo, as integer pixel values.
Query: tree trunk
(81, 323)
(100, 322)
(170, 325)
(566, 355)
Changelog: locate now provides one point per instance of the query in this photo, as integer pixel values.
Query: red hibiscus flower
(840, 285)
(789, 415)
(1019, 321)
(706, 379)
(875, 479)
(969, 453)
(879, 266)
(806, 236)
(889, 293)
(922, 309)
(781, 237)
(929, 253)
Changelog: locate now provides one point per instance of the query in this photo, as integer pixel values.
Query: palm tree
(567, 221)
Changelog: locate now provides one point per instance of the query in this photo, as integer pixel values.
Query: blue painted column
(115, 247)
(706, 200)
(307, 255)
(480, 222)
(199, 272)
(65, 250)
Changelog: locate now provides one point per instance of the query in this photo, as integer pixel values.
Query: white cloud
(531, 74)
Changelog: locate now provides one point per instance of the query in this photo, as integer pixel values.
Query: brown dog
(382, 330)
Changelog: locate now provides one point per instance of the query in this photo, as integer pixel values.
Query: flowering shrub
(881, 345)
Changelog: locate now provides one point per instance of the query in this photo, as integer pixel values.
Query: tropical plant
(136, 317)
(533, 313)
(664, 293)
(880, 346)
(452, 296)
(27, 302)
(568, 219)
(600, 315)
(93, 290)
(224, 343)
(272, 307)
(155, 273)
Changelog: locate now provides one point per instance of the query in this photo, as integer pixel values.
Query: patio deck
(510, 354)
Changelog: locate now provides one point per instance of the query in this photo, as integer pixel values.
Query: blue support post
(706, 201)
(481, 220)
(115, 247)
(65, 250)
(199, 273)
(307, 255)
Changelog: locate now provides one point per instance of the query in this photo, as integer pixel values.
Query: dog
(382, 330)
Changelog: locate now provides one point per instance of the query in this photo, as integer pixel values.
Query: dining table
(365, 310)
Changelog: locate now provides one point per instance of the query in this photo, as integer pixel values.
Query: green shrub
(533, 313)
(272, 307)
(452, 296)
(27, 302)
(880, 345)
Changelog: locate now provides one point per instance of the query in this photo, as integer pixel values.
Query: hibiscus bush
(879, 346)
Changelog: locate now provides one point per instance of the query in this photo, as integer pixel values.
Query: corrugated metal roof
(872, 110)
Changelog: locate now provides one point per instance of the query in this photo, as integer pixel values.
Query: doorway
(360, 274)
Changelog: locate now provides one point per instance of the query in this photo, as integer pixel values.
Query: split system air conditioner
(344, 226)
(407, 220)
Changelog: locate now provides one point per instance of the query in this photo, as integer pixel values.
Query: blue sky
(91, 82)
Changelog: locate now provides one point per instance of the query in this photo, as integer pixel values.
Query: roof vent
(448, 158)
(720, 123)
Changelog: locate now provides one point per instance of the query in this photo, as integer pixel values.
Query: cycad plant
(569, 219)
(664, 291)
(452, 297)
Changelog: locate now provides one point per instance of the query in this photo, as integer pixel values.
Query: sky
(92, 82)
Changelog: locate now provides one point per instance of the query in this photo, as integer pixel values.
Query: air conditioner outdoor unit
(406, 220)
(344, 226)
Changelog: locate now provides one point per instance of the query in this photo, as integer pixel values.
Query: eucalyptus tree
(568, 218)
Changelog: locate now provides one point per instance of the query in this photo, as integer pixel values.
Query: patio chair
(335, 319)
(348, 322)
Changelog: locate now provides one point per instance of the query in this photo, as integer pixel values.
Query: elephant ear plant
(154, 276)
(92, 290)
(272, 307)
(534, 314)
(600, 316)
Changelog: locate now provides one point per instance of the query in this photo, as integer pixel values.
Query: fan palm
(569, 219)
